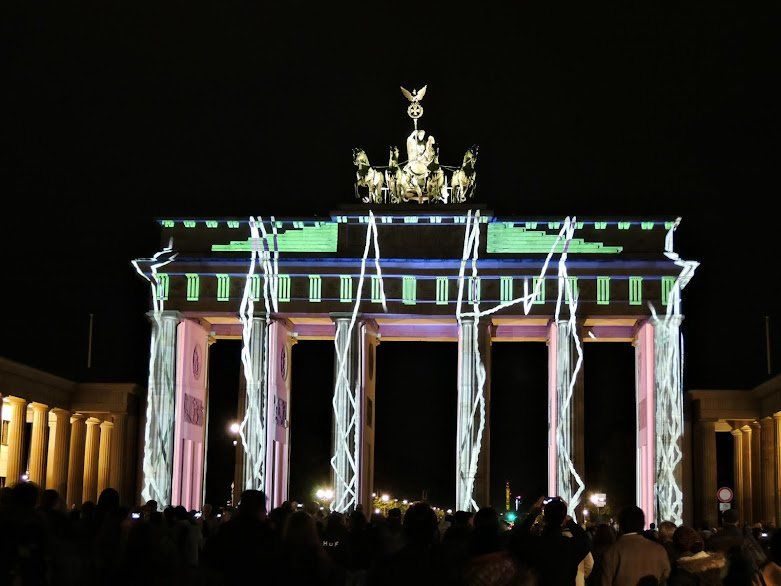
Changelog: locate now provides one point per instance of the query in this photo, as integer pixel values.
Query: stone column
(737, 472)
(254, 360)
(91, 451)
(669, 424)
(118, 464)
(756, 472)
(57, 457)
(769, 487)
(645, 443)
(15, 463)
(352, 450)
(705, 438)
(76, 460)
(748, 489)
(564, 447)
(160, 403)
(104, 455)
(777, 464)
(37, 461)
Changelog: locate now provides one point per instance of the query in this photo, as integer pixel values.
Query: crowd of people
(104, 543)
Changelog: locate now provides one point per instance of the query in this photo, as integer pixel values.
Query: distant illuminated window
(162, 286)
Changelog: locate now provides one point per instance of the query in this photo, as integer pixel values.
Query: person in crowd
(744, 555)
(693, 565)
(541, 543)
(604, 537)
(489, 561)
(633, 557)
(302, 561)
(246, 540)
(419, 561)
(335, 539)
(771, 572)
(666, 532)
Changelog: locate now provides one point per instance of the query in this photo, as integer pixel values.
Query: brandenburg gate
(413, 260)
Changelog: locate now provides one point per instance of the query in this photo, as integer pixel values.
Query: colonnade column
(769, 455)
(57, 456)
(737, 472)
(473, 434)
(565, 465)
(15, 462)
(352, 460)
(777, 444)
(159, 431)
(756, 472)
(91, 454)
(37, 461)
(117, 474)
(748, 490)
(104, 456)
(705, 438)
(76, 460)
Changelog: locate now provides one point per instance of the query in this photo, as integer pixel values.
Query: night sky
(118, 113)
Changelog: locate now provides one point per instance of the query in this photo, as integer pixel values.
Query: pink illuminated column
(646, 429)
(552, 409)
(190, 419)
(280, 343)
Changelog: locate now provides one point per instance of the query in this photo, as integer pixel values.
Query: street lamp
(234, 427)
(385, 498)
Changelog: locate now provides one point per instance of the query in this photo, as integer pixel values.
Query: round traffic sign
(724, 494)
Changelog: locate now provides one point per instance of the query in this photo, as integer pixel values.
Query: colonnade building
(75, 438)
(737, 444)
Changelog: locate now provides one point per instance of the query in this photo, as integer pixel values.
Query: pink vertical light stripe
(646, 425)
(552, 408)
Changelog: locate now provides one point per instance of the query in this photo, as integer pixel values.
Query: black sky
(119, 112)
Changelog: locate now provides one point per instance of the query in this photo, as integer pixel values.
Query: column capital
(16, 400)
(755, 425)
(106, 424)
(78, 418)
(736, 432)
(166, 314)
(59, 412)
(39, 406)
(746, 429)
(93, 421)
(777, 416)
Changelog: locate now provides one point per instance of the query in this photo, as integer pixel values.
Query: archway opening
(610, 423)
(519, 423)
(310, 418)
(415, 415)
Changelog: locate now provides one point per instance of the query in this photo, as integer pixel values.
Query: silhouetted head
(252, 504)
(462, 518)
(631, 519)
(25, 495)
(730, 517)
(300, 531)
(686, 539)
(486, 518)
(108, 500)
(50, 500)
(555, 513)
(604, 535)
(666, 531)
(420, 525)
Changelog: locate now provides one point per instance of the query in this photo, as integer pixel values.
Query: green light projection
(504, 237)
(321, 237)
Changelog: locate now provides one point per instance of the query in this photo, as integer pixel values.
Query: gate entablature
(616, 266)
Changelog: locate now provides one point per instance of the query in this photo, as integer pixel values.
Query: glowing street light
(385, 498)
(234, 427)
